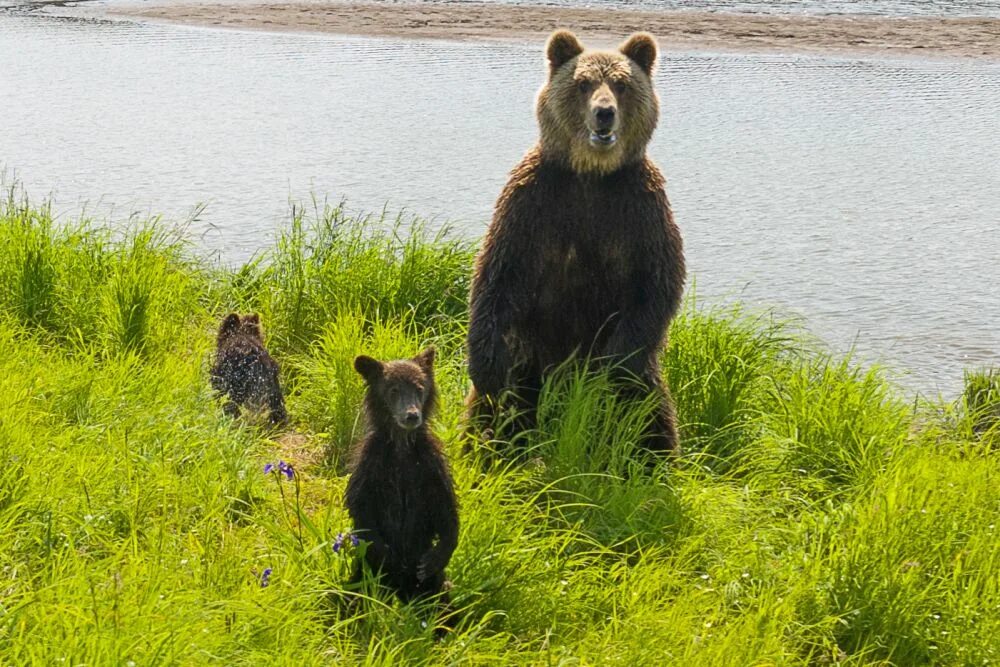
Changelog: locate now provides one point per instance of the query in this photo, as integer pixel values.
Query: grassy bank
(817, 516)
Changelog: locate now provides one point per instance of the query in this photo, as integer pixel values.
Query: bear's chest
(590, 239)
(573, 263)
(401, 491)
(589, 257)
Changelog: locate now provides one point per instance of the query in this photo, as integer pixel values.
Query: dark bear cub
(244, 371)
(400, 494)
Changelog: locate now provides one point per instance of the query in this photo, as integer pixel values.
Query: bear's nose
(605, 116)
(412, 418)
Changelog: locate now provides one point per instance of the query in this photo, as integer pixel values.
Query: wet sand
(677, 30)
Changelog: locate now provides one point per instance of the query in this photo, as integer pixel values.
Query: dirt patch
(297, 449)
(677, 30)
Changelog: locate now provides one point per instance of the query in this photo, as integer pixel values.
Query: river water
(861, 194)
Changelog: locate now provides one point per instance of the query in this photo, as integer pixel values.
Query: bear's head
(233, 324)
(598, 110)
(401, 394)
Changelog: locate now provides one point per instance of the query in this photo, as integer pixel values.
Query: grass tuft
(328, 262)
(981, 405)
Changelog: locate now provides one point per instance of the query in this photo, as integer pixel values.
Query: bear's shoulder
(650, 176)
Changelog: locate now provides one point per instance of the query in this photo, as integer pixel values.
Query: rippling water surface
(863, 195)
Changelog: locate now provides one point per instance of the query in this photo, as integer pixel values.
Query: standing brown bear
(400, 494)
(244, 371)
(582, 256)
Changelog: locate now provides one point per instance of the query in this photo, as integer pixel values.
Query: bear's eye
(619, 87)
(583, 86)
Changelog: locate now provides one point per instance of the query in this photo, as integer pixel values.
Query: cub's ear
(562, 47)
(426, 359)
(370, 369)
(230, 323)
(252, 318)
(641, 47)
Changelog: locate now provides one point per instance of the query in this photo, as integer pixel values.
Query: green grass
(816, 517)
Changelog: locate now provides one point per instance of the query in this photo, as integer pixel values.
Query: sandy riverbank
(951, 37)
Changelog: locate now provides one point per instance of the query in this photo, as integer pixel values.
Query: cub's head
(233, 324)
(598, 110)
(401, 394)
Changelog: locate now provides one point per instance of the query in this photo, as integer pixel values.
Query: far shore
(676, 30)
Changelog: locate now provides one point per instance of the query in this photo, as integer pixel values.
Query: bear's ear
(426, 359)
(230, 323)
(370, 369)
(641, 47)
(562, 47)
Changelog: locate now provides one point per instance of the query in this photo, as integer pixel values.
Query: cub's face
(598, 109)
(246, 326)
(250, 326)
(404, 389)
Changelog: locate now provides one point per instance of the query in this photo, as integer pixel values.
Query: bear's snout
(411, 419)
(603, 124)
(605, 117)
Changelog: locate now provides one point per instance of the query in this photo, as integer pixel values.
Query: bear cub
(244, 371)
(400, 494)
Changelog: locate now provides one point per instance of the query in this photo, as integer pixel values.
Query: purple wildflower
(268, 468)
(338, 543)
(286, 469)
(265, 578)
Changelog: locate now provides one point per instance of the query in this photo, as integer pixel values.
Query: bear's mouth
(603, 138)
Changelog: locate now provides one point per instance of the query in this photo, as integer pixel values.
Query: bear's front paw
(425, 569)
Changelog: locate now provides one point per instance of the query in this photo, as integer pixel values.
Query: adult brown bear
(582, 256)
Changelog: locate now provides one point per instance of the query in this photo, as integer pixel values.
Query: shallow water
(862, 195)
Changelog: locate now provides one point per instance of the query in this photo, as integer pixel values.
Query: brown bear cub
(582, 257)
(244, 371)
(400, 494)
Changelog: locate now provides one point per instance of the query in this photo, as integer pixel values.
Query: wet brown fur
(400, 494)
(244, 371)
(583, 256)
